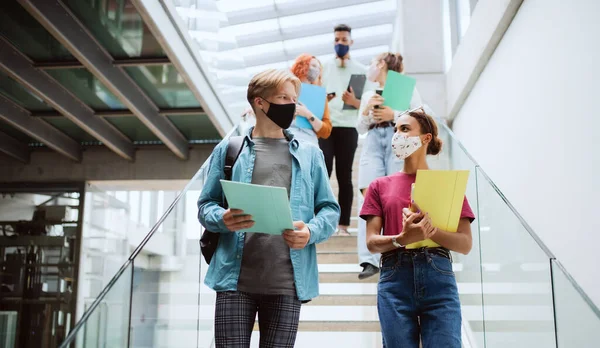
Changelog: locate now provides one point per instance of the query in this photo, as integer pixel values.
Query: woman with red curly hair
(309, 70)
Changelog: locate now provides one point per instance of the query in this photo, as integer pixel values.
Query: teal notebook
(268, 205)
(398, 91)
(314, 98)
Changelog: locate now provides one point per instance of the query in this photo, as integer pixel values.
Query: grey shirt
(266, 264)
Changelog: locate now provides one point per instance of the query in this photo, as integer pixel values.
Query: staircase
(345, 314)
(513, 292)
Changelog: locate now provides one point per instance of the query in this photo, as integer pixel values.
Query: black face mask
(281, 114)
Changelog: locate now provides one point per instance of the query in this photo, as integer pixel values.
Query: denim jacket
(311, 200)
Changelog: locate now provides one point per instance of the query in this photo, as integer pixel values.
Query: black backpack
(210, 240)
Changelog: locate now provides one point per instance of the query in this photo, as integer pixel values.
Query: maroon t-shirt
(387, 196)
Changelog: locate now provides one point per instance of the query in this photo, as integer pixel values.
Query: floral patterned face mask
(404, 146)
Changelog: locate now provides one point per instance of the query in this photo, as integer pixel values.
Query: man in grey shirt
(257, 273)
(271, 272)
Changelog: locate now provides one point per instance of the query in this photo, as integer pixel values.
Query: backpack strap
(234, 148)
(210, 240)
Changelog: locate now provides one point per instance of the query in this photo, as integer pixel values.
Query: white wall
(419, 37)
(488, 23)
(532, 122)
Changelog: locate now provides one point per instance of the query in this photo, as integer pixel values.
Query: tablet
(357, 82)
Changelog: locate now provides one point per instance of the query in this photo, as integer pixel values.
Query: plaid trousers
(235, 312)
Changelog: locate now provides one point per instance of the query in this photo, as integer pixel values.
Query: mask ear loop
(266, 101)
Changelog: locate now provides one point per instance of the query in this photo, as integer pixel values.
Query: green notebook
(398, 91)
(268, 205)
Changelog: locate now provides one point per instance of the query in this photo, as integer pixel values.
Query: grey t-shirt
(266, 264)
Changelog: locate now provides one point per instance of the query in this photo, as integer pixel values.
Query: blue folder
(268, 205)
(314, 98)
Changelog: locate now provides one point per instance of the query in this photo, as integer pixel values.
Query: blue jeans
(376, 160)
(417, 298)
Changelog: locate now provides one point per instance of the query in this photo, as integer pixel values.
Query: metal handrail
(73, 333)
(506, 201)
(527, 227)
(138, 249)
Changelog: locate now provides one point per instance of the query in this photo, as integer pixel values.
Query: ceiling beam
(162, 19)
(125, 62)
(14, 148)
(363, 56)
(290, 8)
(317, 49)
(38, 129)
(99, 163)
(127, 113)
(21, 69)
(69, 31)
(297, 32)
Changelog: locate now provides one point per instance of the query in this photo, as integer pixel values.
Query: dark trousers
(235, 311)
(341, 145)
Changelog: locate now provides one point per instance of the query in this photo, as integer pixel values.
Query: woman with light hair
(376, 159)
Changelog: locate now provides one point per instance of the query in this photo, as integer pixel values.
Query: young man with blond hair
(256, 272)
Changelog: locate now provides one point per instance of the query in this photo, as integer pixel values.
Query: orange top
(300, 69)
(325, 130)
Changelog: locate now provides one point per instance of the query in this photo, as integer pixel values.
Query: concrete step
(339, 297)
(527, 313)
(336, 326)
(340, 268)
(511, 289)
(337, 257)
(339, 243)
(349, 277)
(344, 300)
(318, 339)
(342, 273)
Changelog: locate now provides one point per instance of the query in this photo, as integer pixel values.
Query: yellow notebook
(441, 194)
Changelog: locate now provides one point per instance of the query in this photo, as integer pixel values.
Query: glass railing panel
(467, 268)
(207, 295)
(165, 273)
(517, 287)
(107, 323)
(104, 248)
(166, 278)
(577, 318)
(171, 306)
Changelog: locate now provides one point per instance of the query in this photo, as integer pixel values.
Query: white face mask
(404, 146)
(373, 73)
(313, 74)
